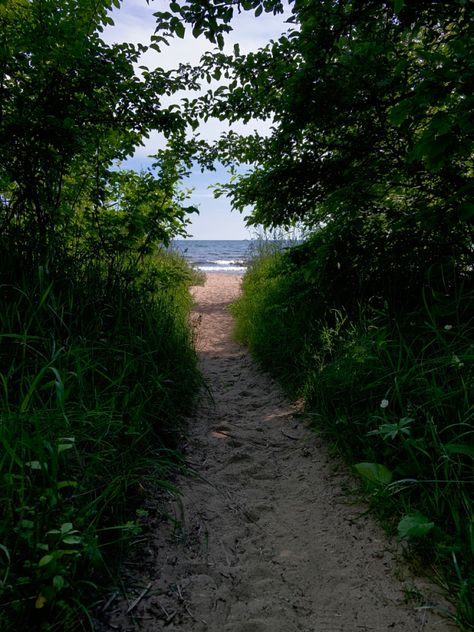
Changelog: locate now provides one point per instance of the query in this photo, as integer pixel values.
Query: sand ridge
(265, 539)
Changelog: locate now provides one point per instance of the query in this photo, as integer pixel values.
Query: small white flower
(384, 403)
(448, 327)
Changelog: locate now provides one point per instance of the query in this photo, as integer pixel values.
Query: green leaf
(72, 539)
(179, 29)
(398, 5)
(46, 559)
(414, 525)
(58, 582)
(398, 114)
(62, 447)
(374, 472)
(460, 448)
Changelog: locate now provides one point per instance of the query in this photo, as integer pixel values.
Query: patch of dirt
(265, 540)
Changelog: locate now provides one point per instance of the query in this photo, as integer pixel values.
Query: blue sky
(134, 22)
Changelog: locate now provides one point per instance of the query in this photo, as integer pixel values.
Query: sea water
(228, 256)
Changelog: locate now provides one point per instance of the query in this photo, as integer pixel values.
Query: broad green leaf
(374, 472)
(179, 29)
(414, 525)
(46, 559)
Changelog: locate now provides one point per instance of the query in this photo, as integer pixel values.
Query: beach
(265, 535)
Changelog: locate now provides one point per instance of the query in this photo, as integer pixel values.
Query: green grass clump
(96, 371)
(267, 311)
(392, 389)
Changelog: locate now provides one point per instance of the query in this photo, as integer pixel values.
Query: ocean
(227, 256)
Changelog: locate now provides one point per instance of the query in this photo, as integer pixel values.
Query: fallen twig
(135, 603)
(289, 436)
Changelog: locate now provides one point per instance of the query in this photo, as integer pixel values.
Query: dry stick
(289, 436)
(186, 607)
(135, 603)
(169, 616)
(109, 601)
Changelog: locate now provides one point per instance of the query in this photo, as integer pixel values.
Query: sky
(134, 23)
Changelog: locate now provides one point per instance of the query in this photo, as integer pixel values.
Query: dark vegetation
(96, 358)
(370, 318)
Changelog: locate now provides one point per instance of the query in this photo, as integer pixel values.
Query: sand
(267, 537)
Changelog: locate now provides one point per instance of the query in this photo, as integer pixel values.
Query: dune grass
(393, 393)
(96, 372)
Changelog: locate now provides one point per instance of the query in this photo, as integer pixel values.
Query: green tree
(70, 108)
(372, 136)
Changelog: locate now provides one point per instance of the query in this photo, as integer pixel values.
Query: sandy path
(268, 542)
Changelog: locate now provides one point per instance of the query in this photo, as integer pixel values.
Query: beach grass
(96, 372)
(392, 393)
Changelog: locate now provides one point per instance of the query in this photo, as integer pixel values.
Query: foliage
(392, 392)
(96, 359)
(71, 107)
(372, 137)
(95, 377)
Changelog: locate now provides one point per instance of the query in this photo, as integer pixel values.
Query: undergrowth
(96, 371)
(392, 389)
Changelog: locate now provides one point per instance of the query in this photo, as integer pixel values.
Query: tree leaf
(46, 559)
(179, 29)
(398, 114)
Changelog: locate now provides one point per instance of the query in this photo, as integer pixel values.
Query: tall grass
(393, 392)
(96, 371)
